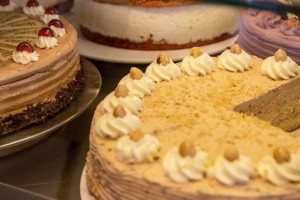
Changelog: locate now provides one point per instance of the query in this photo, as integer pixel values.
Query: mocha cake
(40, 72)
(152, 25)
(263, 32)
(189, 131)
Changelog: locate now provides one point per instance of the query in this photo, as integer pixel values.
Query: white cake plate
(84, 192)
(100, 52)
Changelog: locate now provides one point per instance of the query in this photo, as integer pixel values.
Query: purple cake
(262, 33)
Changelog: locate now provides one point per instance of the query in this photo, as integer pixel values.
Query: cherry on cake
(153, 25)
(206, 128)
(40, 72)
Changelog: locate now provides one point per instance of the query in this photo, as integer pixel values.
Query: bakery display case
(172, 120)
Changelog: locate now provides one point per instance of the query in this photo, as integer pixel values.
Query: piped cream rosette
(234, 60)
(279, 67)
(198, 63)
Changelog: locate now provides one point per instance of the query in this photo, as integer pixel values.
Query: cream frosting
(46, 18)
(131, 103)
(202, 65)
(184, 169)
(112, 127)
(142, 87)
(34, 11)
(10, 7)
(158, 72)
(233, 172)
(234, 62)
(144, 150)
(279, 70)
(25, 57)
(58, 32)
(46, 42)
(280, 173)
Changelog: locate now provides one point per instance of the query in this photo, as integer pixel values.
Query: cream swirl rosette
(121, 96)
(281, 168)
(25, 57)
(137, 148)
(117, 123)
(46, 42)
(58, 32)
(34, 10)
(232, 168)
(46, 18)
(10, 7)
(137, 83)
(198, 63)
(279, 66)
(163, 69)
(234, 60)
(185, 163)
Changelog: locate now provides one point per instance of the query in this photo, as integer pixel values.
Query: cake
(40, 72)
(189, 131)
(153, 25)
(261, 33)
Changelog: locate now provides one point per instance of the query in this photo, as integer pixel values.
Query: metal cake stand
(29, 136)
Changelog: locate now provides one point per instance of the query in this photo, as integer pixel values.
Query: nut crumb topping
(196, 52)
(187, 149)
(281, 155)
(121, 91)
(163, 59)
(280, 55)
(136, 73)
(236, 49)
(231, 154)
(136, 135)
(119, 111)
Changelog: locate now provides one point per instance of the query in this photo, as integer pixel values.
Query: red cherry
(57, 23)
(24, 46)
(32, 3)
(46, 32)
(51, 11)
(4, 2)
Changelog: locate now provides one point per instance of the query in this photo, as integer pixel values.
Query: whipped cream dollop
(280, 173)
(46, 18)
(142, 87)
(202, 65)
(279, 70)
(25, 57)
(239, 171)
(234, 62)
(34, 11)
(10, 7)
(112, 127)
(46, 42)
(58, 32)
(144, 150)
(131, 103)
(183, 169)
(159, 72)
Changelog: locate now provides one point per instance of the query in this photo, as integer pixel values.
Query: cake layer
(261, 33)
(200, 109)
(149, 3)
(177, 27)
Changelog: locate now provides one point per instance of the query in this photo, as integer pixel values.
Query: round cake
(40, 72)
(152, 25)
(261, 33)
(202, 129)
